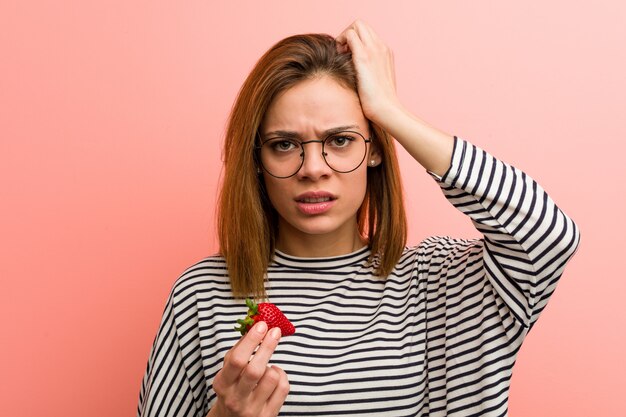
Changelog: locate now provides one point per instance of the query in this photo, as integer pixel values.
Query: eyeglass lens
(342, 151)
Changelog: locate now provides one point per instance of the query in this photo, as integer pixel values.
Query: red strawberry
(268, 313)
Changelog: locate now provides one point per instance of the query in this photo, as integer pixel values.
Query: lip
(315, 194)
(315, 207)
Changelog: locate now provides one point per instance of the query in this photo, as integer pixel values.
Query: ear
(374, 156)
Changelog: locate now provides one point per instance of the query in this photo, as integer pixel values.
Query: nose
(314, 165)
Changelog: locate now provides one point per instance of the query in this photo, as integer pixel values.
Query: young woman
(311, 217)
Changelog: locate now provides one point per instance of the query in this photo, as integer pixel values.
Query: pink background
(112, 116)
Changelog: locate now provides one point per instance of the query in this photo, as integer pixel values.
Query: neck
(318, 245)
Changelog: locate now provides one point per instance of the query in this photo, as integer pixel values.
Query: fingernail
(261, 327)
(275, 333)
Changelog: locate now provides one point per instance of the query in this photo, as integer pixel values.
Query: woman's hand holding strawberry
(246, 385)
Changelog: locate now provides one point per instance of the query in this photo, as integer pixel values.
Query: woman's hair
(247, 222)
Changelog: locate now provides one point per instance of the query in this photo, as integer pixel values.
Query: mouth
(318, 202)
(311, 200)
(312, 197)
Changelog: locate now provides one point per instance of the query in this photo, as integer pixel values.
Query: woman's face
(309, 109)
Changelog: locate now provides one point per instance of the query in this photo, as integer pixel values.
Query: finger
(341, 38)
(354, 43)
(266, 386)
(233, 348)
(277, 398)
(237, 343)
(364, 32)
(356, 46)
(238, 357)
(342, 48)
(257, 367)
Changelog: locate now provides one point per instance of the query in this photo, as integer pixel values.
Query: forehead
(314, 106)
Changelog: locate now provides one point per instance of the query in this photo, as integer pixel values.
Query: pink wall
(111, 120)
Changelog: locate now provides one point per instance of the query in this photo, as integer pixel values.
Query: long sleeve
(168, 387)
(527, 239)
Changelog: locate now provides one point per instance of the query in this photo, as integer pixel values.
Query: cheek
(356, 186)
(276, 192)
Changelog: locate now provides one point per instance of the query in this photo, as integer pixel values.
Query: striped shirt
(437, 337)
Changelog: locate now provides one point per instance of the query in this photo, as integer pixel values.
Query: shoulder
(447, 241)
(438, 246)
(207, 274)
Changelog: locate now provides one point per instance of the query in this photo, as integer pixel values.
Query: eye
(340, 141)
(281, 145)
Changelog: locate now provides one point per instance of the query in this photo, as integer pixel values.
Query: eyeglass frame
(302, 155)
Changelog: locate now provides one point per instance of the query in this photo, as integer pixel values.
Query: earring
(372, 162)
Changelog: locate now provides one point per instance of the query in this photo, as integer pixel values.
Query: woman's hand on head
(246, 385)
(374, 64)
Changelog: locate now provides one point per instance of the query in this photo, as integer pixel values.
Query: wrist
(386, 114)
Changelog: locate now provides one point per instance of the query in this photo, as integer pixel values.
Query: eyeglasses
(342, 151)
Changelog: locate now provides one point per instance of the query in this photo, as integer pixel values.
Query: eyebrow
(295, 135)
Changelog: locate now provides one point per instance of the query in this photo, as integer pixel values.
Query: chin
(316, 229)
(318, 226)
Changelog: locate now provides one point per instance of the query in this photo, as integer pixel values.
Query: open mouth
(315, 202)
(311, 200)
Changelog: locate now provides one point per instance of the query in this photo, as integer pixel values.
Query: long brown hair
(247, 222)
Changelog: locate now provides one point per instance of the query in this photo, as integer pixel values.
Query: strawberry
(268, 313)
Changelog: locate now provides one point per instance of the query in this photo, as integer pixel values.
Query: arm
(167, 389)
(527, 238)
